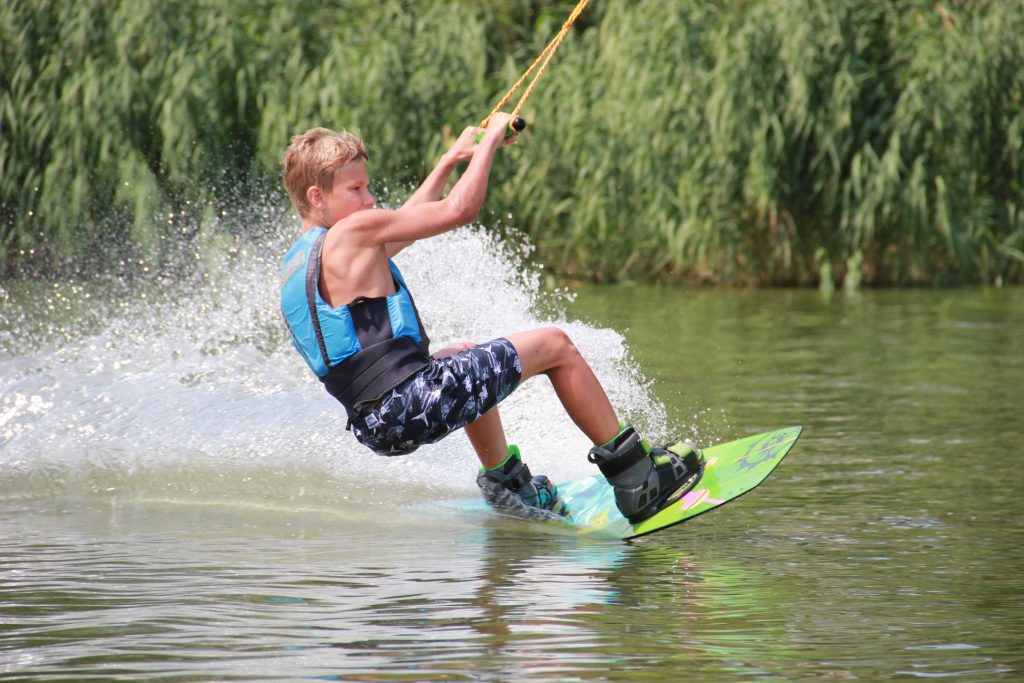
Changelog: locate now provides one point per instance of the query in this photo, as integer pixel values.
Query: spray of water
(183, 385)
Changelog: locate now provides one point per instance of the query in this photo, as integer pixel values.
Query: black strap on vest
(312, 279)
(362, 379)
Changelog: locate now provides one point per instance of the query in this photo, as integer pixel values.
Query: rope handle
(518, 123)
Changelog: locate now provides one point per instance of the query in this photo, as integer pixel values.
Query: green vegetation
(740, 141)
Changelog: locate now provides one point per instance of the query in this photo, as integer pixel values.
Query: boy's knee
(560, 341)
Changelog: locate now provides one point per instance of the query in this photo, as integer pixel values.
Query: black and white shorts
(446, 395)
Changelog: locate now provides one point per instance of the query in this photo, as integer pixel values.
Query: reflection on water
(142, 590)
(178, 501)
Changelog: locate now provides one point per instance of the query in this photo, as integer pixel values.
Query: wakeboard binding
(646, 479)
(510, 487)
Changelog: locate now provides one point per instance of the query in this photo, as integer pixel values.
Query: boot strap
(521, 478)
(691, 461)
(625, 456)
(514, 479)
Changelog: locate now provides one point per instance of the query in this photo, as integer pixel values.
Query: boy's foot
(511, 487)
(645, 479)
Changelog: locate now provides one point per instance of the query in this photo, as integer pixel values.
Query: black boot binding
(511, 487)
(645, 479)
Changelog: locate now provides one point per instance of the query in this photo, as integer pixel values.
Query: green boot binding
(511, 487)
(645, 479)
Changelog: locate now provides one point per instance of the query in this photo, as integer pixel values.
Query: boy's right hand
(502, 122)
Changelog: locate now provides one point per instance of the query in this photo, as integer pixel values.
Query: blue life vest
(359, 350)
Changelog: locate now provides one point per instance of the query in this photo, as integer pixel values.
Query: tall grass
(769, 142)
(742, 141)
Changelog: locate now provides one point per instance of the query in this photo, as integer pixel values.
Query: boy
(353, 319)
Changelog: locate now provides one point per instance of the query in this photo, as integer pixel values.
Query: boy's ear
(315, 196)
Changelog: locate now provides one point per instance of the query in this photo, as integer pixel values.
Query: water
(179, 500)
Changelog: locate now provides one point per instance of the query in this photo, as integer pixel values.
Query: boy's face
(351, 193)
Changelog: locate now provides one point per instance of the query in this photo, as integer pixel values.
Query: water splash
(186, 385)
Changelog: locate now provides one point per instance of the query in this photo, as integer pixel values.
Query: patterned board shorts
(446, 395)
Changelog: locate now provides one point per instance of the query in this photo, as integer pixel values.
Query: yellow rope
(542, 59)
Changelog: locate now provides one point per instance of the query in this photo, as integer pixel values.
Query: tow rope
(539, 64)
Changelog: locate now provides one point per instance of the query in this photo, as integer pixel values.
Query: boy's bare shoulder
(362, 224)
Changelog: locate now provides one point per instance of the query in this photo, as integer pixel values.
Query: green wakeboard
(730, 470)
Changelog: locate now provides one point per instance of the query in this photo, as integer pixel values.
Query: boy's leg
(504, 480)
(487, 435)
(549, 351)
(645, 479)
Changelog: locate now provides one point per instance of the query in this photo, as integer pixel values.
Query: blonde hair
(313, 158)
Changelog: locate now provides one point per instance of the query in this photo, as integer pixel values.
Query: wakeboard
(730, 470)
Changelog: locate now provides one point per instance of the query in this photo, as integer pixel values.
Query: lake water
(179, 500)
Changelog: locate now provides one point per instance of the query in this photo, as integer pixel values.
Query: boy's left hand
(464, 147)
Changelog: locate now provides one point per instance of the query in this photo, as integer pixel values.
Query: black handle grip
(516, 125)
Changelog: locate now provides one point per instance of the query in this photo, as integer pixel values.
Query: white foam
(189, 386)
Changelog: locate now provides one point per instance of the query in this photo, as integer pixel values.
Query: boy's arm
(428, 218)
(431, 188)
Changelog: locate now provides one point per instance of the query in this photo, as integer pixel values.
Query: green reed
(742, 141)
